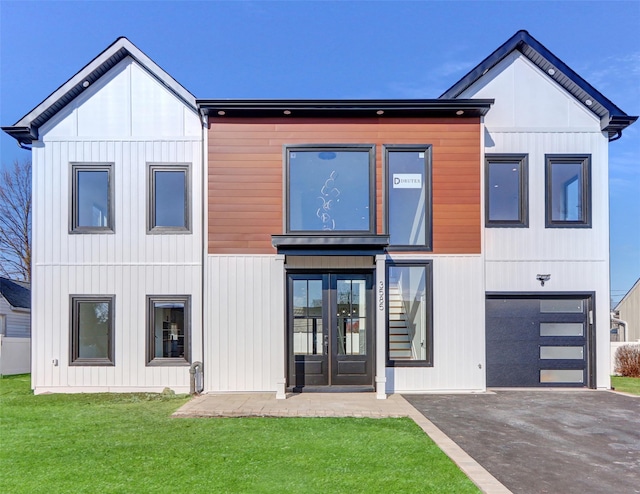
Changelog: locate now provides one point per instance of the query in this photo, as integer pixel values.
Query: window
(568, 197)
(506, 195)
(91, 198)
(408, 196)
(409, 314)
(169, 198)
(169, 329)
(330, 189)
(92, 330)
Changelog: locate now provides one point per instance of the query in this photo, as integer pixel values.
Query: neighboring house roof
(17, 293)
(628, 295)
(26, 129)
(612, 119)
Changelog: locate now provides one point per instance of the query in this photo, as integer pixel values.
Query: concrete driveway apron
(545, 441)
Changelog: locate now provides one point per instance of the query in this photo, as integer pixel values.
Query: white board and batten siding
(245, 339)
(532, 115)
(458, 330)
(245, 329)
(129, 119)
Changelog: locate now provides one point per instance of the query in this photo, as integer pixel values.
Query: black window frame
(74, 333)
(74, 227)
(522, 160)
(428, 316)
(428, 200)
(371, 148)
(559, 159)
(151, 359)
(152, 228)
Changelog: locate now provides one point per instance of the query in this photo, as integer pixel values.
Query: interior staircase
(399, 338)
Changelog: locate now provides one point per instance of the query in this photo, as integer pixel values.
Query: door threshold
(330, 389)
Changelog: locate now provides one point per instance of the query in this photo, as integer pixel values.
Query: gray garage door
(535, 341)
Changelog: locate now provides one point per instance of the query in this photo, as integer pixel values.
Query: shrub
(628, 360)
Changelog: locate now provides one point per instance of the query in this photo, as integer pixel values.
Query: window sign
(408, 200)
(407, 180)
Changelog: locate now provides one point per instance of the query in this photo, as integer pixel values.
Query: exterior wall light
(542, 278)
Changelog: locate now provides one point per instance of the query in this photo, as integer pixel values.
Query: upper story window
(169, 198)
(568, 191)
(330, 189)
(91, 198)
(506, 194)
(408, 196)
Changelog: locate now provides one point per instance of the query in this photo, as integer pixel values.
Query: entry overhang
(330, 245)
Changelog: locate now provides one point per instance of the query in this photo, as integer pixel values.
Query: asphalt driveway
(545, 441)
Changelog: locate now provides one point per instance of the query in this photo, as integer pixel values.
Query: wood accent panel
(245, 181)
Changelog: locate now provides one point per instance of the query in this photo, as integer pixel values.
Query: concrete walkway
(337, 405)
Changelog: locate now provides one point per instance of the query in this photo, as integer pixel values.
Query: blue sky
(342, 49)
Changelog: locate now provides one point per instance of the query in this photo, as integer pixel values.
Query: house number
(381, 296)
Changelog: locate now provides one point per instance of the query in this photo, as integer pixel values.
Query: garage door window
(558, 376)
(562, 352)
(559, 305)
(561, 329)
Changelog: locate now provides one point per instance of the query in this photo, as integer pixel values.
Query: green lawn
(626, 384)
(128, 443)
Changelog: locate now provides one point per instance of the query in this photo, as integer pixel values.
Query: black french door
(330, 329)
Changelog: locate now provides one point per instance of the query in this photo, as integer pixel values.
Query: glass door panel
(307, 317)
(329, 319)
(352, 320)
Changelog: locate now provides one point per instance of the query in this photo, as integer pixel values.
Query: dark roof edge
(517, 42)
(26, 129)
(24, 135)
(305, 107)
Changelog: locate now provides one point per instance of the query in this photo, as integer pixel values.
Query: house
(448, 244)
(626, 315)
(15, 327)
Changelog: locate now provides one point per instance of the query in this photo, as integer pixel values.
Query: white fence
(614, 346)
(15, 355)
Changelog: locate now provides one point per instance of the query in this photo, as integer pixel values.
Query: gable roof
(612, 119)
(634, 289)
(17, 293)
(25, 130)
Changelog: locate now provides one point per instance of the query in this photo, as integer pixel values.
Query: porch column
(278, 323)
(381, 326)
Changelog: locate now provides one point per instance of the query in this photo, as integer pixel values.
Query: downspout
(616, 137)
(620, 322)
(22, 146)
(204, 160)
